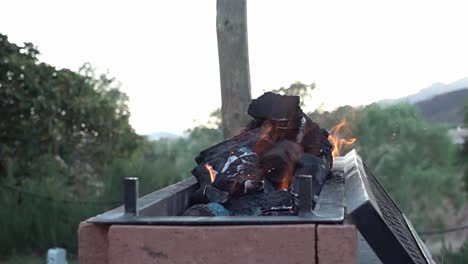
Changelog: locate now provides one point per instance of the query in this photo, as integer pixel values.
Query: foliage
(79, 118)
(466, 113)
(464, 152)
(159, 163)
(299, 89)
(60, 131)
(40, 217)
(48, 216)
(458, 257)
(328, 119)
(415, 161)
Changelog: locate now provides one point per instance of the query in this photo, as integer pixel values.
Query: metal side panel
(168, 201)
(378, 218)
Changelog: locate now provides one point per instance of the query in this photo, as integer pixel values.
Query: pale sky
(165, 52)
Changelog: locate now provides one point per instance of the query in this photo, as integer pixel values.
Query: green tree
(299, 89)
(75, 119)
(329, 119)
(416, 162)
(60, 131)
(464, 152)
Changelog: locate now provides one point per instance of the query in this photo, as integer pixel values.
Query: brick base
(99, 244)
(92, 243)
(337, 244)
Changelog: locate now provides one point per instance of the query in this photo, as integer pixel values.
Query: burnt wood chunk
(278, 163)
(262, 203)
(314, 139)
(256, 168)
(210, 209)
(275, 107)
(233, 162)
(247, 138)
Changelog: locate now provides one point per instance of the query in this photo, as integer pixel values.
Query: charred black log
(247, 138)
(210, 209)
(326, 149)
(309, 164)
(283, 109)
(313, 138)
(209, 194)
(280, 142)
(282, 116)
(278, 163)
(233, 162)
(262, 204)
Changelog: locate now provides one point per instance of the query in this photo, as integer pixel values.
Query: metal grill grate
(394, 219)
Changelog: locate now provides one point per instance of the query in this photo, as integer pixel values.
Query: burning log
(279, 162)
(233, 162)
(253, 173)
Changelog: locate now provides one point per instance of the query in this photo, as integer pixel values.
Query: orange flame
(211, 171)
(336, 139)
(287, 177)
(264, 140)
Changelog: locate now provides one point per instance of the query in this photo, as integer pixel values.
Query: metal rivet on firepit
(131, 196)
(305, 195)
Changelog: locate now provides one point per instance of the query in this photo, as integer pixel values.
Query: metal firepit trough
(165, 206)
(352, 199)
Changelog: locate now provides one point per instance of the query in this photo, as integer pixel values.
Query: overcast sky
(165, 52)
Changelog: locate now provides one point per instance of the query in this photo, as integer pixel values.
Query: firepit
(274, 172)
(279, 172)
(389, 236)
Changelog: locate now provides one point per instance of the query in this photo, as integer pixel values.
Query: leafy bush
(39, 217)
(59, 130)
(78, 117)
(415, 161)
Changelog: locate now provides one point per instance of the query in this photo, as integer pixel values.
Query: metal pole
(131, 196)
(305, 195)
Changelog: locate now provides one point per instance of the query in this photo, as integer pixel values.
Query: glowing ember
(211, 171)
(336, 138)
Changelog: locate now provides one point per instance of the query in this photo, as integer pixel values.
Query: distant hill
(161, 135)
(447, 108)
(438, 103)
(429, 92)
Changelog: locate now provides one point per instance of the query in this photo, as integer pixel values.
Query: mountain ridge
(447, 108)
(429, 92)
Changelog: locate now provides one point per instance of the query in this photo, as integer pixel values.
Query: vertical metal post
(305, 195)
(131, 196)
